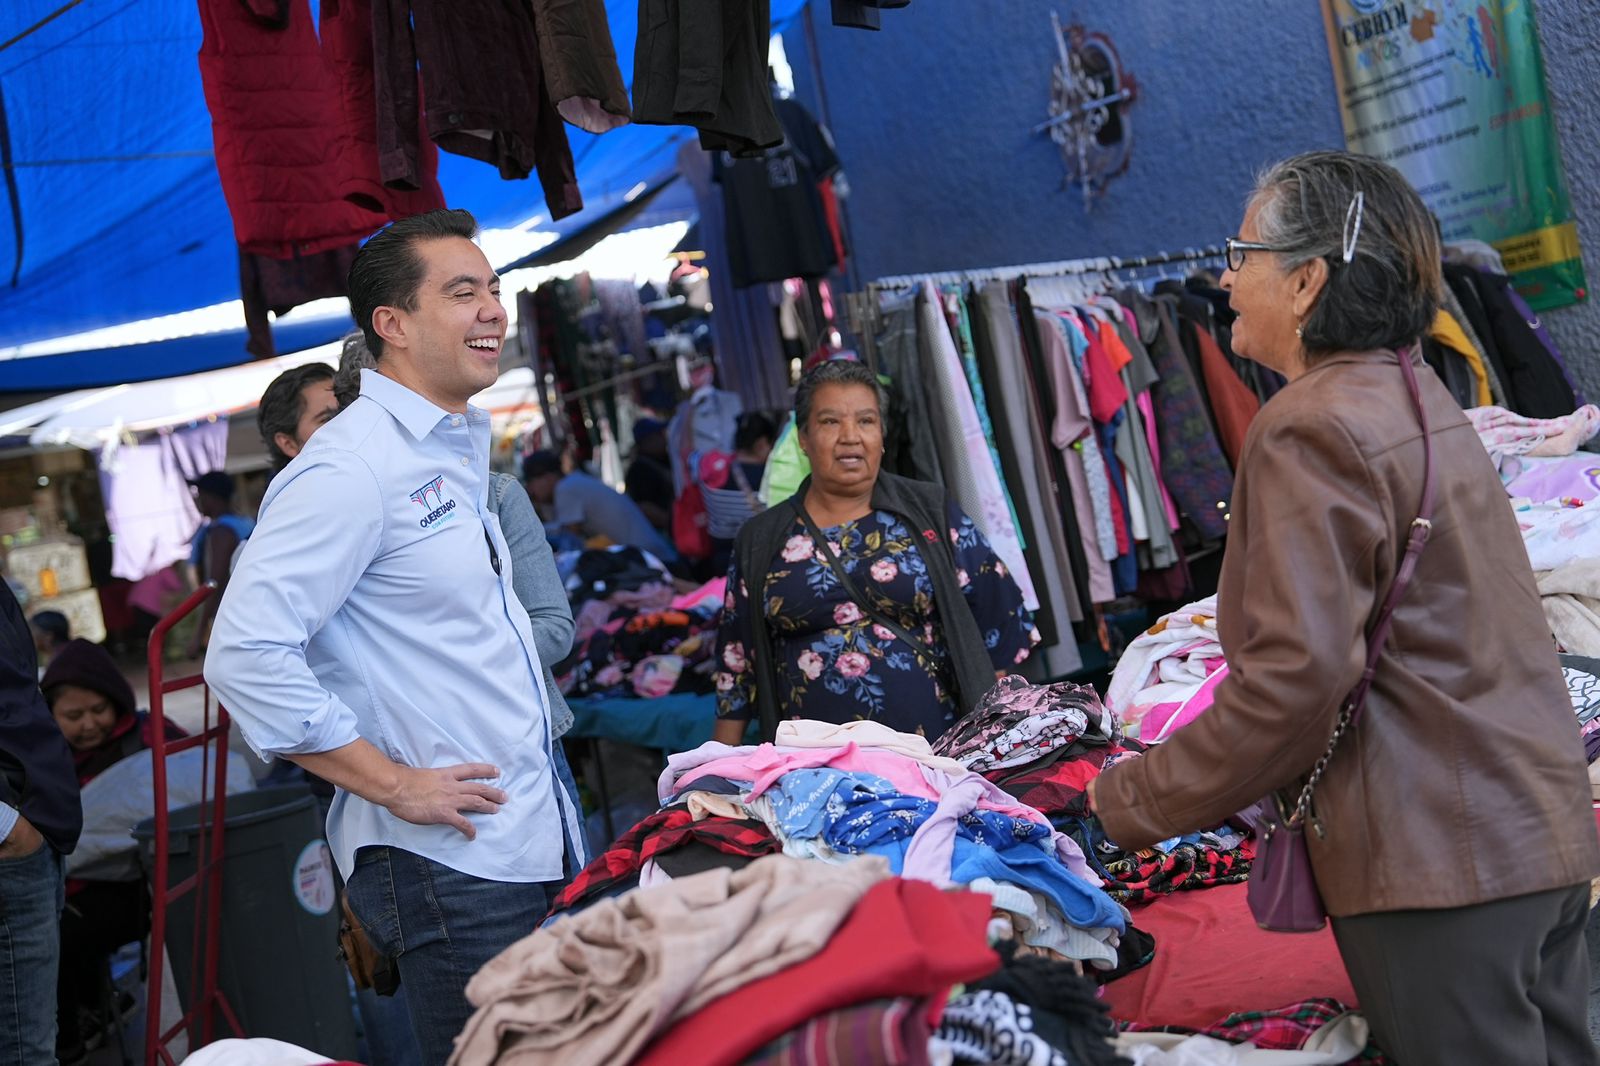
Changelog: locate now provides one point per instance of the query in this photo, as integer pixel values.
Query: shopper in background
(581, 504)
(866, 595)
(1452, 840)
(51, 632)
(649, 477)
(395, 660)
(211, 552)
(730, 484)
(297, 403)
(94, 707)
(40, 819)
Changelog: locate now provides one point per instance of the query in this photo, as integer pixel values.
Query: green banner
(1452, 93)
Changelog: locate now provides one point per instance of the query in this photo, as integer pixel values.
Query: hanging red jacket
(346, 29)
(277, 129)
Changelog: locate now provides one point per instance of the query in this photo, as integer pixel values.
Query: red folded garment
(905, 938)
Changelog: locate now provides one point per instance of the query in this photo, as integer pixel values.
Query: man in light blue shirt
(372, 635)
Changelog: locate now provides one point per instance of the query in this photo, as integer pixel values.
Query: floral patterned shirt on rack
(834, 663)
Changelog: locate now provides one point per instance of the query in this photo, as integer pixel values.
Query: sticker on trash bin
(313, 878)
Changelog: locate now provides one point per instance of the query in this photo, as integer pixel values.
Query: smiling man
(395, 661)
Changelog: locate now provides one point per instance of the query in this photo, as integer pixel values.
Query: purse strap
(1421, 530)
(919, 648)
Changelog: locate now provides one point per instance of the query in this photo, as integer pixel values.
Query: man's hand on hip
(446, 795)
(23, 841)
(439, 796)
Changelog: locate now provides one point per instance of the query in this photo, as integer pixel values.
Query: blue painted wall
(933, 118)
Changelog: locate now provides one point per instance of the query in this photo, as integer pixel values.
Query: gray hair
(834, 372)
(355, 358)
(1387, 294)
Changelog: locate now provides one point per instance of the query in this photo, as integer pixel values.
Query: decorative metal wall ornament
(1090, 94)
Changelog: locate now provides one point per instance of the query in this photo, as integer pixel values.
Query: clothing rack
(1100, 265)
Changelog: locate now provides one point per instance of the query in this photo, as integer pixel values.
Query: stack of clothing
(780, 961)
(635, 636)
(830, 793)
(1055, 779)
(1165, 678)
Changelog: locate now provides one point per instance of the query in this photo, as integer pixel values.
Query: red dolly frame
(206, 1000)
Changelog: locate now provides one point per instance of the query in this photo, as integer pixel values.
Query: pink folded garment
(710, 594)
(1164, 719)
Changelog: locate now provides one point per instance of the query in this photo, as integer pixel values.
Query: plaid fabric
(1284, 1029)
(661, 832)
(883, 1032)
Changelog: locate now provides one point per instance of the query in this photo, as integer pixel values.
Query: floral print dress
(834, 663)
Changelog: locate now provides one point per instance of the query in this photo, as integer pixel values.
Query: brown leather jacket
(1465, 781)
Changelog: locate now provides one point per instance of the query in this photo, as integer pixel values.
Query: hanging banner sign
(1452, 94)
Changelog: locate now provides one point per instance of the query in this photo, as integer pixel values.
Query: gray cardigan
(538, 586)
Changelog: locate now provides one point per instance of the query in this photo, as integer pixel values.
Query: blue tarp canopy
(112, 212)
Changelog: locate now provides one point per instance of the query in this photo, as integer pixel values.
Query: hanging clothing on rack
(1194, 468)
(912, 448)
(964, 448)
(1013, 410)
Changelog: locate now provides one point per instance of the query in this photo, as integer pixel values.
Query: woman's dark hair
(1387, 295)
(833, 372)
(354, 357)
(283, 405)
(55, 625)
(387, 270)
(753, 426)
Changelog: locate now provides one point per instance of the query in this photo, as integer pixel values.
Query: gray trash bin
(278, 963)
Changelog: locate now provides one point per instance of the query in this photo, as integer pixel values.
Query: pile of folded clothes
(635, 634)
(1044, 744)
(783, 960)
(1165, 678)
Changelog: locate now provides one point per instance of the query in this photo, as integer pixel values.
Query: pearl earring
(1300, 331)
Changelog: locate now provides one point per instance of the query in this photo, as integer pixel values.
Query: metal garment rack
(206, 999)
(1062, 268)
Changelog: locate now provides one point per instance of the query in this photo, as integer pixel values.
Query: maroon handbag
(1282, 890)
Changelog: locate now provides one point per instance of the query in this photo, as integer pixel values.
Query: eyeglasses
(1236, 249)
(1353, 218)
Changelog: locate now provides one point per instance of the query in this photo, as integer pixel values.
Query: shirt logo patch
(432, 495)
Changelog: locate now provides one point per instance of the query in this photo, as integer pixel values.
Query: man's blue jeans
(441, 926)
(32, 893)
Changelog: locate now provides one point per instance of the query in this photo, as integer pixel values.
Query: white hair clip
(1352, 225)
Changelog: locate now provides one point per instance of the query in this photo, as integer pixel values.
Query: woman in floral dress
(878, 644)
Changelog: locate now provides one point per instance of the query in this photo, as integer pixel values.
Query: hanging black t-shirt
(777, 225)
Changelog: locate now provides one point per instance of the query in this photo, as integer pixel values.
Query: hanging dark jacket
(484, 93)
(580, 63)
(1534, 382)
(703, 63)
(924, 508)
(36, 775)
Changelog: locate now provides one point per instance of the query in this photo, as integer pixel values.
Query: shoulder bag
(918, 647)
(691, 528)
(1282, 890)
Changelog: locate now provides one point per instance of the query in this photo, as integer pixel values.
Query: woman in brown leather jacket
(1452, 837)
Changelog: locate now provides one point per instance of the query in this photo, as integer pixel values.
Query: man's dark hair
(283, 405)
(539, 464)
(388, 271)
(753, 426)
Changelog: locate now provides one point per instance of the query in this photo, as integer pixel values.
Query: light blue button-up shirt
(366, 605)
